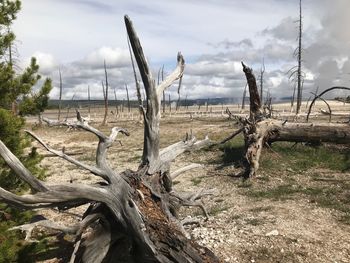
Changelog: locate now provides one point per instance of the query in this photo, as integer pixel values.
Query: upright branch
(137, 83)
(150, 154)
(60, 96)
(255, 102)
(104, 122)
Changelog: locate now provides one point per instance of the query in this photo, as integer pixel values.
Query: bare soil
(242, 227)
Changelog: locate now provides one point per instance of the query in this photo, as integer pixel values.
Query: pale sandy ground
(300, 230)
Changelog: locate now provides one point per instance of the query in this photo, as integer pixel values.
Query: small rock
(272, 233)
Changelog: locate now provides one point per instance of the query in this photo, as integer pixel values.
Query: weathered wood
(137, 220)
(259, 128)
(320, 95)
(60, 96)
(127, 97)
(255, 102)
(89, 106)
(105, 94)
(137, 83)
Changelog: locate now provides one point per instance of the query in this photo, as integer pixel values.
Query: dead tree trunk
(105, 95)
(127, 97)
(169, 101)
(262, 71)
(244, 96)
(259, 129)
(179, 95)
(69, 106)
(89, 103)
(132, 216)
(163, 91)
(137, 84)
(299, 90)
(60, 96)
(116, 103)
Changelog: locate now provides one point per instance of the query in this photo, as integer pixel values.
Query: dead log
(132, 215)
(260, 129)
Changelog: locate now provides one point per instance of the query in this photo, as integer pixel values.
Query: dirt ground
(241, 228)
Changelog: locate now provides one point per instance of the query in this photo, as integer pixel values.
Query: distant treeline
(343, 99)
(134, 103)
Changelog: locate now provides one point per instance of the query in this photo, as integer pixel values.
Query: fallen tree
(132, 215)
(259, 129)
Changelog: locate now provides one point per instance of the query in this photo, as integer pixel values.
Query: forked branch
(175, 75)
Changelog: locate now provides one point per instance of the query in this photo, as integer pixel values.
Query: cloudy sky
(213, 35)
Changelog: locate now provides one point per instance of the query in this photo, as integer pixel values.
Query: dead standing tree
(296, 74)
(259, 129)
(105, 94)
(262, 72)
(89, 101)
(132, 216)
(60, 96)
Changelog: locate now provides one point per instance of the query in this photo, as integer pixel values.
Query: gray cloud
(227, 44)
(285, 30)
(236, 31)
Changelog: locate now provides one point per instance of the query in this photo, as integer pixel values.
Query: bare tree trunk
(127, 97)
(163, 91)
(60, 96)
(179, 98)
(137, 84)
(89, 99)
(116, 102)
(68, 107)
(299, 83)
(262, 71)
(132, 215)
(244, 96)
(105, 94)
(169, 104)
(259, 129)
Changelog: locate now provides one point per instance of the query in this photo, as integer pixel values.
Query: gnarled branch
(16, 165)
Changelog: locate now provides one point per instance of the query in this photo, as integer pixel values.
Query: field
(296, 210)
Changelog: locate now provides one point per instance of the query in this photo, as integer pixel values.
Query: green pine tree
(16, 92)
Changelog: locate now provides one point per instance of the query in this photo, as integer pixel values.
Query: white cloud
(236, 30)
(114, 57)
